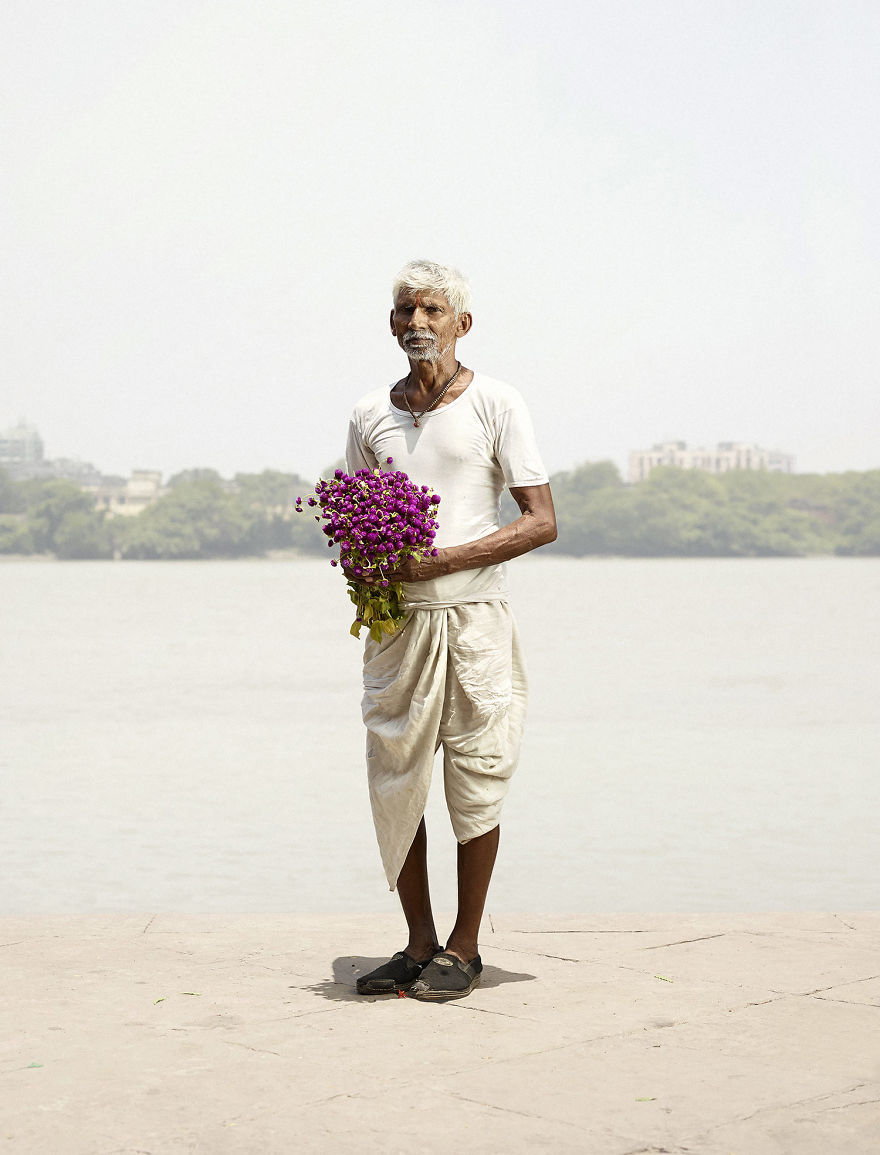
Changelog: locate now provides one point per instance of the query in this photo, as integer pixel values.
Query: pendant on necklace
(415, 423)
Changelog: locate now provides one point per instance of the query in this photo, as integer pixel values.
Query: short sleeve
(357, 455)
(515, 447)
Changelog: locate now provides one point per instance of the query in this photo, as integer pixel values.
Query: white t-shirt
(467, 452)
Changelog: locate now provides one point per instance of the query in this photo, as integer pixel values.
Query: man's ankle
(464, 952)
(420, 951)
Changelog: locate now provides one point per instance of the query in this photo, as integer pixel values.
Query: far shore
(303, 555)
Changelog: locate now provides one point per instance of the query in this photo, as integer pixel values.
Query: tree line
(673, 513)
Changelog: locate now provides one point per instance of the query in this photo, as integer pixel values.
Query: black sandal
(447, 977)
(398, 974)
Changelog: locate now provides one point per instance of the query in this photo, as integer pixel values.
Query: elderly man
(453, 675)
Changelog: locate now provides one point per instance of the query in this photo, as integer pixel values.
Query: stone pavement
(727, 1034)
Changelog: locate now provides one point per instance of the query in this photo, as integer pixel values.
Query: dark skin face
(419, 311)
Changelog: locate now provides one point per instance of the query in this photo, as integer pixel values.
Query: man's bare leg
(475, 862)
(415, 898)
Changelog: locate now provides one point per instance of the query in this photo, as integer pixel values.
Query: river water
(704, 735)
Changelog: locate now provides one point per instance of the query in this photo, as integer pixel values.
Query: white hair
(431, 277)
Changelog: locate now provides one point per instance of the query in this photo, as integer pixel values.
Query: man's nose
(418, 319)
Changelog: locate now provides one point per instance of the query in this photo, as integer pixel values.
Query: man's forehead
(408, 296)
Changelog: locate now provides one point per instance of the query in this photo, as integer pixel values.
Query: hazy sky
(668, 211)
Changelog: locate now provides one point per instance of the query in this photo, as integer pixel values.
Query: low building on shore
(121, 497)
(726, 456)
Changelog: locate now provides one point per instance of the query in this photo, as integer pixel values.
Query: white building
(128, 498)
(726, 456)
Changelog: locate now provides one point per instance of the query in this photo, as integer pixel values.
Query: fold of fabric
(454, 677)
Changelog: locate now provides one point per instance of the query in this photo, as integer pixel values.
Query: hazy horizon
(669, 215)
(322, 471)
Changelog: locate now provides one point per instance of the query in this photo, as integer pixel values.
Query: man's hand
(407, 571)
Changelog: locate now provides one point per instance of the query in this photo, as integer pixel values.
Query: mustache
(417, 336)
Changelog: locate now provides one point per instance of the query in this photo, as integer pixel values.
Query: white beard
(429, 352)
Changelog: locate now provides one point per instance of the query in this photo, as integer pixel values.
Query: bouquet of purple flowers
(378, 519)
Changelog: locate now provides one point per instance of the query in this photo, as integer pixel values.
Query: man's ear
(393, 330)
(463, 324)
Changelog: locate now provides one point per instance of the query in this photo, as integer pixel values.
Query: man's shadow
(348, 968)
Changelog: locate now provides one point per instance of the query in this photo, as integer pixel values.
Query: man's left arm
(535, 526)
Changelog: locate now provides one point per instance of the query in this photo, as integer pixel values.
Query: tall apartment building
(726, 456)
(20, 446)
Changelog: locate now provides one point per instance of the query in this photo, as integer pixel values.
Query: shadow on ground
(348, 968)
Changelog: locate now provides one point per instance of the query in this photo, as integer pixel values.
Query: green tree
(690, 513)
(11, 497)
(590, 503)
(269, 497)
(83, 534)
(187, 475)
(49, 502)
(857, 514)
(198, 518)
(271, 489)
(15, 536)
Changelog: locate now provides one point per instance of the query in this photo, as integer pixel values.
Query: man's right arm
(536, 526)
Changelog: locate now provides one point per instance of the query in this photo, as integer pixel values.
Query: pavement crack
(353, 1096)
(512, 1111)
(846, 1106)
(848, 983)
(596, 930)
(150, 923)
(539, 954)
(764, 1002)
(488, 1011)
(248, 1047)
(682, 941)
(772, 1107)
(844, 1002)
(676, 1150)
(845, 923)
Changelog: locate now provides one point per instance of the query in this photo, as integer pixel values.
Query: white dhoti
(453, 676)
